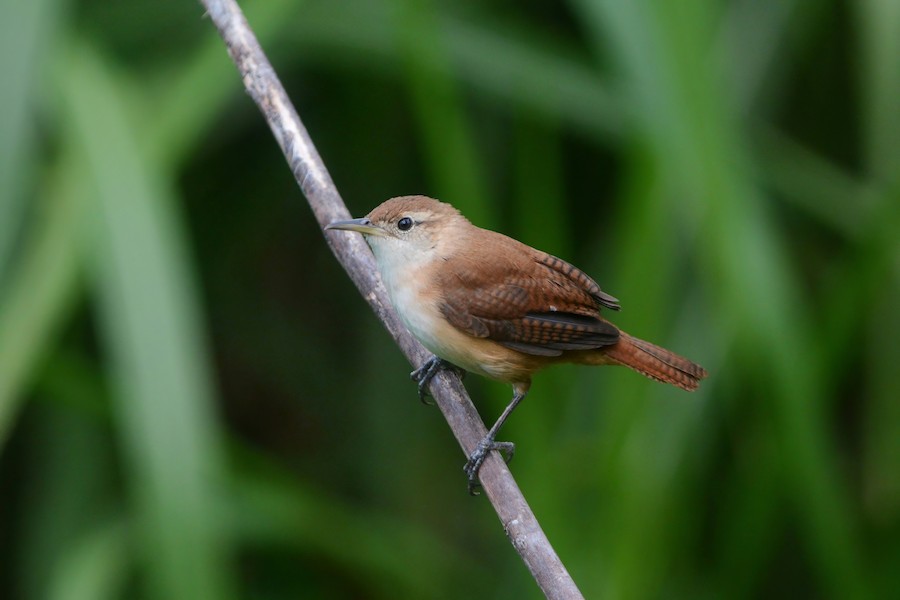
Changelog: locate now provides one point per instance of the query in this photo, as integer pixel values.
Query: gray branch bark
(260, 80)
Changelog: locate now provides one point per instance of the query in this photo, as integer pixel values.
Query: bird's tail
(654, 362)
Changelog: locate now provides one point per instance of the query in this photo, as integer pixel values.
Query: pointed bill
(363, 225)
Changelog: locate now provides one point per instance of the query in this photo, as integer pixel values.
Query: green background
(196, 403)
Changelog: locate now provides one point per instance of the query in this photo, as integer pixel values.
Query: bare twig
(259, 78)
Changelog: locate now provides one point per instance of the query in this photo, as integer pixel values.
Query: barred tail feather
(654, 362)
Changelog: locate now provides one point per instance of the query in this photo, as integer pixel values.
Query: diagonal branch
(259, 78)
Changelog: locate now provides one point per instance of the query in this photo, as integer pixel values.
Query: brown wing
(532, 302)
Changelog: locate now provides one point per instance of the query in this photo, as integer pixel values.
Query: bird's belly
(427, 325)
(477, 355)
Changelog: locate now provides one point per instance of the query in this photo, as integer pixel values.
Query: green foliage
(195, 403)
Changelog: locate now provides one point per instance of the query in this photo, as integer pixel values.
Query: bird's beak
(363, 225)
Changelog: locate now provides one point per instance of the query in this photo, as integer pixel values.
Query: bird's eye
(405, 224)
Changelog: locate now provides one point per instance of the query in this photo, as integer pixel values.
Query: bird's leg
(488, 443)
(422, 376)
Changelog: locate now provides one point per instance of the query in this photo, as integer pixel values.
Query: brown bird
(494, 306)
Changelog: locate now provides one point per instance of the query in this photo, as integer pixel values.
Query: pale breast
(418, 311)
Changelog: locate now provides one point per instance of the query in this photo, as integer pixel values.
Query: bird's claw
(478, 456)
(424, 374)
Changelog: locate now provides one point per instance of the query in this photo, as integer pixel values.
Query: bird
(485, 303)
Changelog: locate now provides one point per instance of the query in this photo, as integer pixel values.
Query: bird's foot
(423, 375)
(473, 465)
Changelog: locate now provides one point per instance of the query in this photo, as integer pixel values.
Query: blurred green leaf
(881, 444)
(193, 93)
(27, 29)
(646, 431)
(154, 339)
(272, 509)
(42, 290)
(65, 500)
(95, 566)
(663, 50)
(449, 148)
(513, 67)
(815, 185)
(879, 72)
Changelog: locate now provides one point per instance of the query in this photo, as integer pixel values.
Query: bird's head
(406, 231)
